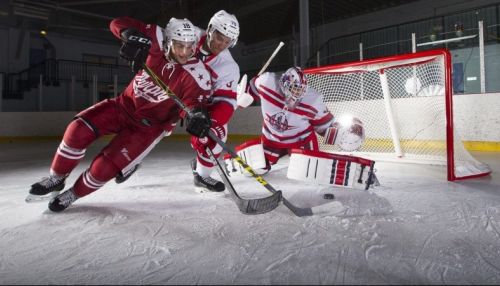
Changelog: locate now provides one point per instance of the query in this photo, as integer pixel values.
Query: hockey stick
(296, 210)
(245, 101)
(276, 194)
(247, 206)
(281, 44)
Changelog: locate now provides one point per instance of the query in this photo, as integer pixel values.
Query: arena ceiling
(259, 19)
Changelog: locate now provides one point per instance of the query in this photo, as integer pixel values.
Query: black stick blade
(259, 206)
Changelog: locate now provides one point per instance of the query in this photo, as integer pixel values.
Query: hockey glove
(348, 137)
(200, 144)
(198, 123)
(243, 99)
(135, 48)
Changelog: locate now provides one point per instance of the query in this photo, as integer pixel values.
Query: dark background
(259, 19)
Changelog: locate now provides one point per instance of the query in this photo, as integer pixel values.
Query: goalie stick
(281, 44)
(243, 99)
(296, 210)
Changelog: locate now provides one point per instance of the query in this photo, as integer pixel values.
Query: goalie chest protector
(331, 169)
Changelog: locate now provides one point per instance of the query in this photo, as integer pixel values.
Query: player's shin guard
(77, 137)
(99, 173)
(206, 165)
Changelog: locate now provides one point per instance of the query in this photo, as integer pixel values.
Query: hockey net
(405, 103)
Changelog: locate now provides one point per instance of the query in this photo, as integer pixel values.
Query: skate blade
(36, 199)
(202, 190)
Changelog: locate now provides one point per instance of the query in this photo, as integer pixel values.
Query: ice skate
(205, 184)
(62, 201)
(46, 189)
(120, 178)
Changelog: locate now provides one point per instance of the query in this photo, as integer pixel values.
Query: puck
(328, 196)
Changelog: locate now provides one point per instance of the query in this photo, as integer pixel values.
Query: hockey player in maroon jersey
(293, 112)
(221, 34)
(140, 117)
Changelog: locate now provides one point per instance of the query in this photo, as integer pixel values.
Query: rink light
(345, 120)
(43, 32)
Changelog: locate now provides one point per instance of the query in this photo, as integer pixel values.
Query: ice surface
(416, 228)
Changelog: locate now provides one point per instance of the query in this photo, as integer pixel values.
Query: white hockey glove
(243, 99)
(348, 136)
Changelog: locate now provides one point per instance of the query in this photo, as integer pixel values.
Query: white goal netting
(405, 104)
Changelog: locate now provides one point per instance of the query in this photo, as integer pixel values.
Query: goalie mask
(226, 24)
(293, 84)
(180, 37)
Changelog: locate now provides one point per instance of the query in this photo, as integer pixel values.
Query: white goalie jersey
(288, 127)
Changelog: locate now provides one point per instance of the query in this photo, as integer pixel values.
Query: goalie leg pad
(331, 169)
(251, 152)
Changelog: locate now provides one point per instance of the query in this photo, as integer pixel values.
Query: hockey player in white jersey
(293, 112)
(213, 49)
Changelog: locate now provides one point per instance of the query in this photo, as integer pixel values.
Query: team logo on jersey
(206, 99)
(144, 87)
(125, 154)
(278, 121)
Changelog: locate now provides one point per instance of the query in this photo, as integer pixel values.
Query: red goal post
(406, 105)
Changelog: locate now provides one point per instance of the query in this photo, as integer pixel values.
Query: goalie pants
(131, 143)
(273, 150)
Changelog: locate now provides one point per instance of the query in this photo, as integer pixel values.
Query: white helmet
(293, 83)
(226, 24)
(180, 30)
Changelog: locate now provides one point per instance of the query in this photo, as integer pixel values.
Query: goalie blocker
(331, 169)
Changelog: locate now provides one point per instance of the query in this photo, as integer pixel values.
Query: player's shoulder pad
(199, 73)
(227, 63)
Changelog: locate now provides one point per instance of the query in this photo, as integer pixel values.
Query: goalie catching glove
(135, 48)
(198, 123)
(348, 136)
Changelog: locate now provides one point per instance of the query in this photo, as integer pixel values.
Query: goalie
(293, 113)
